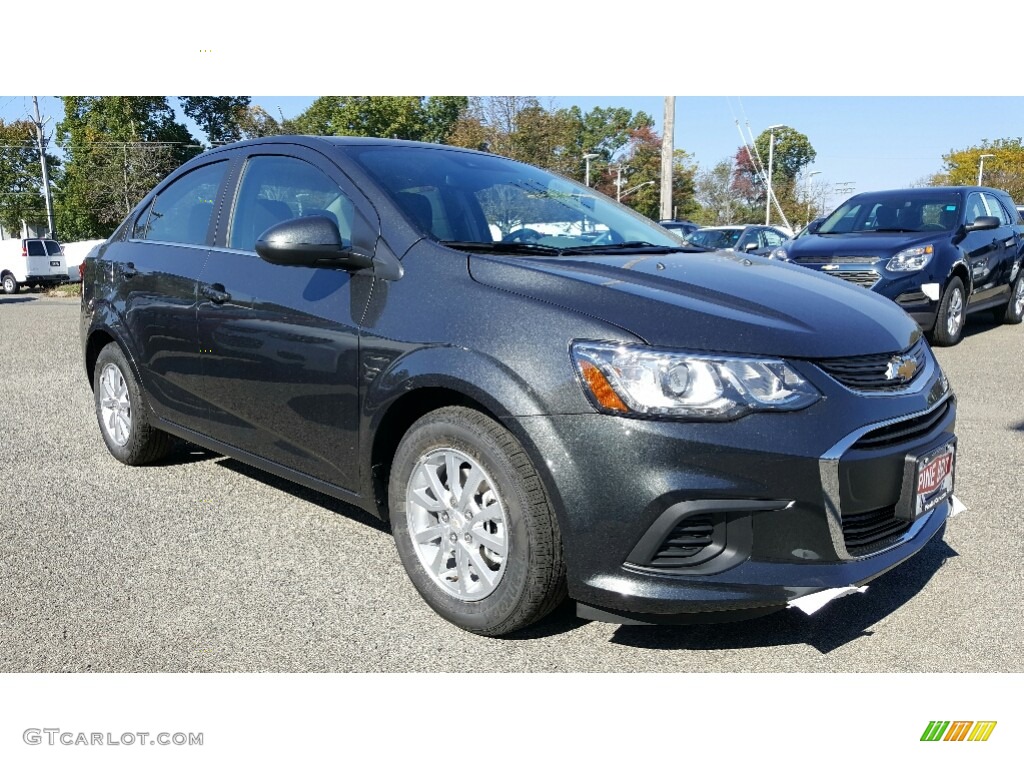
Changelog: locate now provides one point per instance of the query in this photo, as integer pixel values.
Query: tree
(117, 149)
(789, 155)
(1004, 171)
(220, 117)
(416, 118)
(255, 122)
(517, 127)
(21, 177)
(719, 201)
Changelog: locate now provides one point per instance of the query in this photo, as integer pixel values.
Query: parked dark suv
(938, 252)
(536, 387)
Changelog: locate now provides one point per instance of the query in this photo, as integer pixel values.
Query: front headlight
(911, 259)
(779, 253)
(632, 380)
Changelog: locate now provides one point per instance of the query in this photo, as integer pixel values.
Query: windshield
(914, 210)
(467, 197)
(715, 239)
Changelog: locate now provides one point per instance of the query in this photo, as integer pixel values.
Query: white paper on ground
(812, 602)
(956, 507)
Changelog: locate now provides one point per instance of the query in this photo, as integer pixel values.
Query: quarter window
(276, 188)
(181, 213)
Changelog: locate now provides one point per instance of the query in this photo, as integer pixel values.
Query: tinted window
(995, 209)
(181, 213)
(975, 207)
(52, 248)
(275, 189)
(35, 247)
(773, 238)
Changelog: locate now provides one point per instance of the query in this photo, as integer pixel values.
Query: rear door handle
(215, 293)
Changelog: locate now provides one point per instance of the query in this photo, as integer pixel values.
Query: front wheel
(473, 524)
(122, 412)
(949, 321)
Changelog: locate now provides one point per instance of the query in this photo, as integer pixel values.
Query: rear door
(156, 270)
(44, 258)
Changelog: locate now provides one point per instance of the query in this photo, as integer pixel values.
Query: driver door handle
(215, 293)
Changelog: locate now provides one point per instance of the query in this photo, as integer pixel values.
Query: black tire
(142, 443)
(1013, 312)
(10, 284)
(954, 296)
(531, 582)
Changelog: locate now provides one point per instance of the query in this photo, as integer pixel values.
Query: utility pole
(666, 157)
(46, 174)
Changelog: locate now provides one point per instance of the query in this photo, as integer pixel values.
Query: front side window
(182, 212)
(772, 238)
(276, 188)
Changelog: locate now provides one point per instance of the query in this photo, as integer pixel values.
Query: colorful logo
(958, 730)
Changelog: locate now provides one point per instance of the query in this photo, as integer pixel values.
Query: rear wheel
(473, 524)
(122, 411)
(1014, 311)
(949, 322)
(10, 284)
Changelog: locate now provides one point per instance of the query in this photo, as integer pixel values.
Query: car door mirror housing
(310, 241)
(983, 222)
(749, 247)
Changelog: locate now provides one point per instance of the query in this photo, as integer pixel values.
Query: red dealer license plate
(934, 479)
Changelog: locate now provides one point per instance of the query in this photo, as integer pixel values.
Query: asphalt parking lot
(202, 564)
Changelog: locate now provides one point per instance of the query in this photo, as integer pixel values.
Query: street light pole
(771, 157)
(588, 157)
(981, 167)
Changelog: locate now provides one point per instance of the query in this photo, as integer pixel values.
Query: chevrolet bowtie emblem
(901, 369)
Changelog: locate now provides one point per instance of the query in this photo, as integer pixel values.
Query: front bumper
(674, 522)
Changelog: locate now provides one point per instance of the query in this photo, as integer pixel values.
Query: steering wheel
(611, 237)
(524, 235)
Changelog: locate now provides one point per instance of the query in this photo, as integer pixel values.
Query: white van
(31, 262)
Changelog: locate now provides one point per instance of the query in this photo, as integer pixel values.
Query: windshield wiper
(630, 246)
(500, 247)
(895, 229)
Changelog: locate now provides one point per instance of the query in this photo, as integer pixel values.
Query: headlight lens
(634, 380)
(911, 259)
(779, 253)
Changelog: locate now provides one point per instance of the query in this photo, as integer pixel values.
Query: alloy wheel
(457, 524)
(955, 314)
(115, 406)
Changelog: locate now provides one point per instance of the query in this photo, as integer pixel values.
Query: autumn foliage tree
(1004, 171)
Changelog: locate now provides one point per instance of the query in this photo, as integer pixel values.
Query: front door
(280, 344)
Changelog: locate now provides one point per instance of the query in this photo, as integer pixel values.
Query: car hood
(712, 302)
(856, 246)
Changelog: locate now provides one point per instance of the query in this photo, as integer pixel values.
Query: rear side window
(182, 212)
(35, 247)
(52, 248)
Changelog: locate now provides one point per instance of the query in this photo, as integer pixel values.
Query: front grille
(905, 431)
(817, 260)
(868, 372)
(864, 278)
(870, 531)
(692, 539)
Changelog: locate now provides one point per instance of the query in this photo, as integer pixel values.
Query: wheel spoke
(462, 569)
(428, 535)
(426, 501)
(488, 513)
(473, 481)
(452, 467)
(496, 545)
(440, 493)
(483, 569)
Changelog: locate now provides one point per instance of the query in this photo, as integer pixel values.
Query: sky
(863, 143)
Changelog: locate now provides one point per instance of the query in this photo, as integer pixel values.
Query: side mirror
(749, 247)
(310, 241)
(983, 222)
